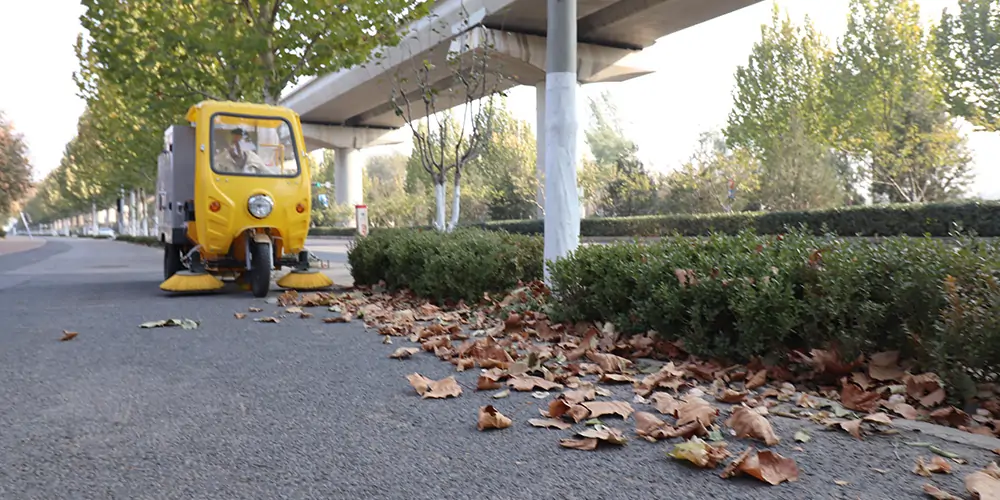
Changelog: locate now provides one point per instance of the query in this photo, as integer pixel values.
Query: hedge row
(981, 218)
(736, 297)
(462, 265)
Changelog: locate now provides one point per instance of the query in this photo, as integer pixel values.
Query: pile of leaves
(695, 400)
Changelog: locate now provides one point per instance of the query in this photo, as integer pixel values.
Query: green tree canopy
(15, 170)
(968, 46)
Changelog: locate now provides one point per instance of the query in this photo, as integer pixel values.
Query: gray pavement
(302, 409)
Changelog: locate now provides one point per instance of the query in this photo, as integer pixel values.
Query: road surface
(302, 409)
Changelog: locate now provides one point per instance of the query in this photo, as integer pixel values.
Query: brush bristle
(191, 282)
(305, 281)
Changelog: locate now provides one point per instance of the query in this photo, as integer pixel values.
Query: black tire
(260, 271)
(171, 261)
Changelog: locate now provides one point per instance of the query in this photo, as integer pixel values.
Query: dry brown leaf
(602, 408)
(557, 408)
(609, 363)
(732, 397)
(766, 465)
(68, 335)
(926, 388)
(651, 428)
(983, 485)
(579, 395)
(305, 315)
(700, 453)
(616, 378)
(748, 423)
(665, 403)
(491, 418)
(853, 427)
(268, 319)
(404, 352)
(254, 309)
(884, 367)
(758, 379)
(604, 433)
(855, 398)
(486, 383)
(579, 444)
(951, 416)
(937, 464)
(938, 494)
(339, 319)
(906, 411)
(529, 383)
(240, 315)
(696, 409)
(437, 389)
(550, 423)
(878, 418)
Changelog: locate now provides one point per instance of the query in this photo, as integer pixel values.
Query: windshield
(256, 146)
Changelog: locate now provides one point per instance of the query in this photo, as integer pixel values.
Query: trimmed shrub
(739, 297)
(3, 234)
(940, 219)
(462, 265)
(150, 241)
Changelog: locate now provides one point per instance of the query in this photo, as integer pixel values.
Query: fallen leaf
(651, 428)
(240, 315)
(68, 335)
(529, 383)
(539, 395)
(579, 395)
(696, 409)
(579, 444)
(757, 380)
(937, 464)
(254, 309)
(938, 493)
(983, 485)
(766, 465)
(925, 388)
(700, 453)
(884, 366)
(802, 436)
(486, 383)
(951, 416)
(840, 482)
(604, 433)
(855, 398)
(388, 340)
(267, 319)
(551, 423)
(748, 423)
(437, 389)
(878, 418)
(853, 427)
(294, 310)
(616, 378)
(338, 319)
(602, 408)
(404, 352)
(732, 397)
(187, 324)
(490, 418)
(906, 411)
(609, 363)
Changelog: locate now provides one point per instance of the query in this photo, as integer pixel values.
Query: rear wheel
(171, 260)
(260, 270)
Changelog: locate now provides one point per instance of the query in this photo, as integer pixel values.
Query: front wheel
(171, 261)
(260, 271)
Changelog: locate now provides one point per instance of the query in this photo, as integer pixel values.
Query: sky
(664, 112)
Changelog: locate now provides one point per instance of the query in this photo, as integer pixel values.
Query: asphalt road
(302, 409)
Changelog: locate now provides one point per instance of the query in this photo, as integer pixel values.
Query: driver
(238, 156)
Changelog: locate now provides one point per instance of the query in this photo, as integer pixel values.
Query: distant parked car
(106, 232)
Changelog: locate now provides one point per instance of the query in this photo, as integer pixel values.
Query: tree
(883, 74)
(506, 168)
(800, 173)
(969, 52)
(236, 50)
(443, 141)
(715, 179)
(15, 171)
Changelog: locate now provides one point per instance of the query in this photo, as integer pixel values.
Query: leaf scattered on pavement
(491, 418)
(254, 309)
(267, 319)
(437, 389)
(552, 423)
(748, 423)
(984, 484)
(700, 452)
(526, 383)
(240, 315)
(766, 465)
(502, 394)
(404, 352)
(802, 436)
(937, 493)
(937, 464)
(68, 335)
(695, 409)
(187, 324)
(853, 427)
(589, 438)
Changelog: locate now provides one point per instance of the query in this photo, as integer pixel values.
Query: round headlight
(260, 205)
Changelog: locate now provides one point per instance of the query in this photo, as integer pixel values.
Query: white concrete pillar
(133, 222)
(562, 202)
(347, 179)
(540, 148)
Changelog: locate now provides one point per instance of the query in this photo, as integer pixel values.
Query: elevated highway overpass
(351, 109)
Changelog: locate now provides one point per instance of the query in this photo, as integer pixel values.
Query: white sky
(664, 111)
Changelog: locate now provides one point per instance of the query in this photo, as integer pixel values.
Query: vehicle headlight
(260, 205)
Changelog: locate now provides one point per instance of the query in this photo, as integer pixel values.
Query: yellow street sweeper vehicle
(234, 199)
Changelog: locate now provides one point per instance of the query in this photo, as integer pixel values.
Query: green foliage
(702, 184)
(15, 171)
(462, 265)
(966, 46)
(939, 220)
(887, 109)
(739, 297)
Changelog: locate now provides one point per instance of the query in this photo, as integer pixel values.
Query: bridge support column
(562, 203)
(348, 179)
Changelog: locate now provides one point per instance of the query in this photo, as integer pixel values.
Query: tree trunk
(439, 203)
(456, 198)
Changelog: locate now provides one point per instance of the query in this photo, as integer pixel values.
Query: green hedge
(462, 265)
(151, 241)
(981, 218)
(737, 297)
